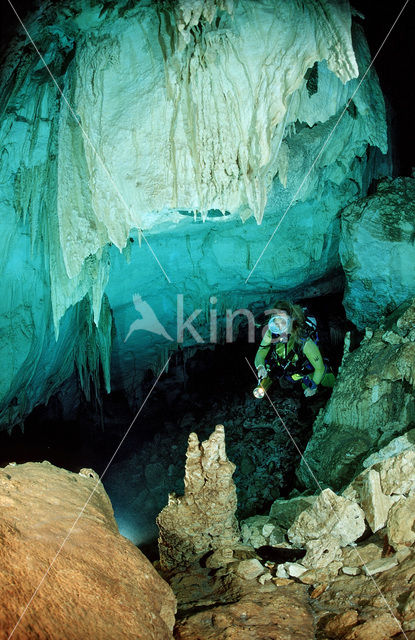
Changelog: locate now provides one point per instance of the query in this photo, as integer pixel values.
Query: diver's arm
(263, 349)
(313, 355)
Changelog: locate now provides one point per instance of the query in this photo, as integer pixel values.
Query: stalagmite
(203, 519)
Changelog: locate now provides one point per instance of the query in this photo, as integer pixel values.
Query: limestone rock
(397, 473)
(204, 518)
(380, 565)
(323, 575)
(260, 611)
(250, 569)
(261, 530)
(385, 220)
(400, 525)
(321, 552)
(330, 515)
(338, 626)
(281, 571)
(366, 490)
(285, 511)
(382, 626)
(282, 582)
(395, 446)
(265, 577)
(60, 534)
(294, 569)
(361, 554)
(372, 402)
(403, 553)
(351, 571)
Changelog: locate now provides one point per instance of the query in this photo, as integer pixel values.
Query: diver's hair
(297, 315)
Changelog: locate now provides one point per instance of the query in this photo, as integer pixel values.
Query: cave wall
(167, 114)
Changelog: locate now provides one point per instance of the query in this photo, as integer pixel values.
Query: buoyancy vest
(290, 356)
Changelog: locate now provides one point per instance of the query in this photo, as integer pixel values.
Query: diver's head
(280, 325)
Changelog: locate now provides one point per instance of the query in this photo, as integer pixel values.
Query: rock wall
(150, 130)
(382, 224)
(63, 557)
(372, 402)
(204, 518)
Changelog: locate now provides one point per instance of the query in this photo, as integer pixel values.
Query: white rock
(267, 529)
(400, 524)
(397, 474)
(403, 554)
(321, 552)
(351, 571)
(395, 446)
(330, 515)
(265, 577)
(294, 569)
(373, 501)
(362, 554)
(281, 572)
(377, 566)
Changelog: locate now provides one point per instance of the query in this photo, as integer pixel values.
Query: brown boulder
(65, 570)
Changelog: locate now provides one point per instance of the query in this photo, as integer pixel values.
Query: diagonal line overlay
(321, 489)
(89, 141)
(86, 503)
(326, 142)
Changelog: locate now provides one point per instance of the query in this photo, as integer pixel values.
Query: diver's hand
(262, 372)
(309, 392)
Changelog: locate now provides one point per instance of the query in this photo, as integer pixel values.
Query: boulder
(383, 221)
(250, 569)
(321, 552)
(395, 446)
(397, 473)
(366, 490)
(330, 515)
(360, 555)
(321, 576)
(64, 548)
(400, 525)
(379, 565)
(294, 569)
(372, 403)
(284, 512)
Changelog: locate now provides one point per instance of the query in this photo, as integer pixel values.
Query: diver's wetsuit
(293, 361)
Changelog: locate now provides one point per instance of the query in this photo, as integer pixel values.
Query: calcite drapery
(204, 518)
(163, 134)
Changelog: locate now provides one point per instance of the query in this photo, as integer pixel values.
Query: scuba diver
(289, 353)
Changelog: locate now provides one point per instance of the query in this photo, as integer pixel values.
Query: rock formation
(63, 558)
(172, 113)
(372, 402)
(203, 519)
(381, 224)
(357, 590)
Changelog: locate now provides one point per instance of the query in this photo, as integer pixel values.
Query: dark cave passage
(214, 385)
